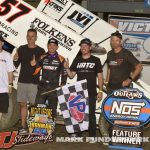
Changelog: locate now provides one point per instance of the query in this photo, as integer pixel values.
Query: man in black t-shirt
(88, 67)
(123, 67)
(27, 83)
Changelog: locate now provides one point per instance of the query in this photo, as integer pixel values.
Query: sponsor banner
(73, 101)
(79, 19)
(40, 120)
(136, 36)
(127, 110)
(16, 17)
(10, 139)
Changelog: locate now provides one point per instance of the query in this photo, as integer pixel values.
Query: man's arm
(70, 73)
(100, 81)
(100, 85)
(134, 75)
(137, 71)
(10, 81)
(16, 59)
(107, 75)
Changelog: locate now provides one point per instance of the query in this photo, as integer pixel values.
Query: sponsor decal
(6, 7)
(80, 18)
(127, 105)
(3, 34)
(86, 65)
(116, 63)
(77, 107)
(40, 120)
(127, 110)
(50, 67)
(7, 28)
(41, 129)
(58, 5)
(126, 136)
(10, 139)
(45, 29)
(131, 26)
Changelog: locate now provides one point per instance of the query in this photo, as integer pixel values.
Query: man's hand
(43, 56)
(126, 82)
(66, 64)
(16, 56)
(99, 96)
(33, 61)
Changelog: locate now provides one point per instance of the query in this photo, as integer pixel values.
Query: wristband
(106, 82)
(100, 91)
(10, 85)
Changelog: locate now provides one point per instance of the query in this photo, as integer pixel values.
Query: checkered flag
(73, 100)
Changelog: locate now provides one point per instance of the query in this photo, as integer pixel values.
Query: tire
(103, 126)
(11, 118)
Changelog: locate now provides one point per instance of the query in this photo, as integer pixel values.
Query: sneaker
(23, 131)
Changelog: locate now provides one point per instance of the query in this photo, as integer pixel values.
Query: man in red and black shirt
(52, 69)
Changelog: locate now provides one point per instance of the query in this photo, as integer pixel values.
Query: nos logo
(127, 108)
(81, 19)
(77, 107)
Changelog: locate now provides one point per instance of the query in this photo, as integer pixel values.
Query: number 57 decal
(6, 6)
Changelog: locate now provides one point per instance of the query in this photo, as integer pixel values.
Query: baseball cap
(52, 40)
(1, 39)
(117, 34)
(86, 41)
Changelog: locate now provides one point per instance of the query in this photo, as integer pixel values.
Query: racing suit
(52, 70)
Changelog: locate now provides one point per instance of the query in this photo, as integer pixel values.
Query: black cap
(86, 41)
(52, 40)
(1, 39)
(117, 34)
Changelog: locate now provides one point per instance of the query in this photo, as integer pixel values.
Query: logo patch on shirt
(55, 62)
(3, 60)
(50, 67)
(116, 63)
(85, 65)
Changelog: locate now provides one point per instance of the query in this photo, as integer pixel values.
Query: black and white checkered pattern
(63, 93)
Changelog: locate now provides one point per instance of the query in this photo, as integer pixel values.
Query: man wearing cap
(88, 67)
(123, 67)
(6, 78)
(52, 68)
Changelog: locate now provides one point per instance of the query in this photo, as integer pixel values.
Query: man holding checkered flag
(88, 67)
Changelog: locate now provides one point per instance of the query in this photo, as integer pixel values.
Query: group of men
(41, 71)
